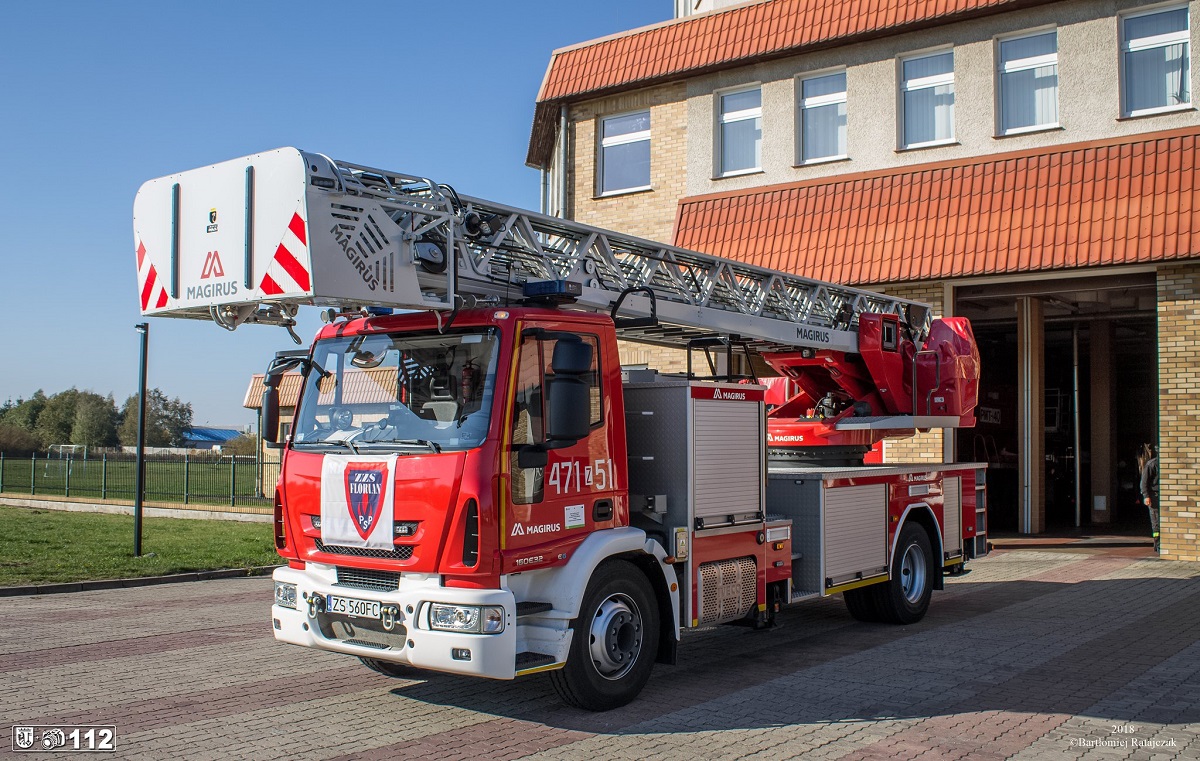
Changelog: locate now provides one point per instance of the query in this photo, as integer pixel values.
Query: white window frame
(922, 84)
(1024, 64)
(1147, 43)
(608, 142)
(723, 118)
(820, 100)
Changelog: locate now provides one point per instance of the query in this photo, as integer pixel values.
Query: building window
(823, 117)
(1154, 61)
(740, 121)
(1028, 72)
(927, 99)
(625, 153)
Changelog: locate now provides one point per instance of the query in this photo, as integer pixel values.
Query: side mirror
(270, 414)
(568, 410)
(532, 456)
(571, 357)
(568, 394)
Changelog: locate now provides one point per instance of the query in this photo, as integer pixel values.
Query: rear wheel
(861, 603)
(905, 599)
(614, 642)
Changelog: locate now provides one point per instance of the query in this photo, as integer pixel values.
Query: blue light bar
(553, 289)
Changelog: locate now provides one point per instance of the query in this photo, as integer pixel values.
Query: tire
(861, 603)
(905, 599)
(387, 668)
(615, 640)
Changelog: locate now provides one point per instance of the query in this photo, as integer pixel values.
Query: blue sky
(96, 98)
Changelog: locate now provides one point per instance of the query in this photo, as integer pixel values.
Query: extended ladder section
(252, 239)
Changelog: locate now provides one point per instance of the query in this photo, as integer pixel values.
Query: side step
(528, 663)
(533, 608)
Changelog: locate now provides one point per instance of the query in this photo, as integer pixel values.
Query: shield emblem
(23, 737)
(212, 216)
(366, 484)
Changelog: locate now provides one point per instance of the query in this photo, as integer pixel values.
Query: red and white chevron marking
(153, 289)
(286, 273)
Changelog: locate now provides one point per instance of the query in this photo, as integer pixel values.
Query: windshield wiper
(433, 445)
(332, 443)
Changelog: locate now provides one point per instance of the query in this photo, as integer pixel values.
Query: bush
(17, 441)
(245, 445)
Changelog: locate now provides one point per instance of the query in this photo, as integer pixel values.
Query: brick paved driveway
(1035, 654)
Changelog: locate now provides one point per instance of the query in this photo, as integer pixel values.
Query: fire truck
(472, 483)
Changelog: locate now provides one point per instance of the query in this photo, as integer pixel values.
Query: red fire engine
(475, 485)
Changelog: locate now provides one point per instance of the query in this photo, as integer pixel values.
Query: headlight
(285, 595)
(466, 618)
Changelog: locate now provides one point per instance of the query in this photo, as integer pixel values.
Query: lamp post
(140, 475)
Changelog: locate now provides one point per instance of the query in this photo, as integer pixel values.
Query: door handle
(602, 510)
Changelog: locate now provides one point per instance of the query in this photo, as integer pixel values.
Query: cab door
(562, 493)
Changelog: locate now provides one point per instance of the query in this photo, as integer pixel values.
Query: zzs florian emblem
(365, 487)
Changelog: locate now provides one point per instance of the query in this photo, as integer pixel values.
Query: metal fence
(236, 483)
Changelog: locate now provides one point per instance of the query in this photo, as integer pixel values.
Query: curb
(143, 581)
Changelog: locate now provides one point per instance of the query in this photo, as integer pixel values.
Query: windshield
(393, 392)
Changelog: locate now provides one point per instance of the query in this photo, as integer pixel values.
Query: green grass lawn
(50, 546)
(198, 481)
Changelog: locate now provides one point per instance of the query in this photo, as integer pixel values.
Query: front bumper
(409, 640)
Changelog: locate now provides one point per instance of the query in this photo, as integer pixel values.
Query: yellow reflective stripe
(506, 439)
(856, 584)
(536, 669)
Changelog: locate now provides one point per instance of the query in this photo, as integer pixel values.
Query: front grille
(364, 643)
(359, 578)
(401, 552)
(399, 528)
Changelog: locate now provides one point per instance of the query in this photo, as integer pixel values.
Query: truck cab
(426, 469)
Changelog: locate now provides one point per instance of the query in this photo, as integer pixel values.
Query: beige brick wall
(661, 358)
(1179, 410)
(923, 447)
(648, 213)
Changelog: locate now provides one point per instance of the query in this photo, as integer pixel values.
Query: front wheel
(905, 599)
(387, 668)
(614, 642)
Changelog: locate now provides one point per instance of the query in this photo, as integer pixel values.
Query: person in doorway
(1149, 488)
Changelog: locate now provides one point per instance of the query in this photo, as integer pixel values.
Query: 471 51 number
(572, 476)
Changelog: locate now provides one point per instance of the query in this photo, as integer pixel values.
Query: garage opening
(1069, 394)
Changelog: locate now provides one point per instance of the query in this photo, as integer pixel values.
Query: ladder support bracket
(635, 322)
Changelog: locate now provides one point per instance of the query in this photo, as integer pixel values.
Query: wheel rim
(912, 573)
(616, 636)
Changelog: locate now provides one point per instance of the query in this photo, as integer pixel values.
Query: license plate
(351, 607)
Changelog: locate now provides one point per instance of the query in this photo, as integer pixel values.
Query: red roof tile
(732, 37)
(1126, 201)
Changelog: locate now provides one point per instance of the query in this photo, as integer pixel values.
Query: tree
(95, 423)
(24, 414)
(57, 418)
(166, 420)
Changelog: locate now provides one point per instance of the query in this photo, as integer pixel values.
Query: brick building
(1029, 164)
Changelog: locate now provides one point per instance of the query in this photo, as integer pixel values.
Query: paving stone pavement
(1035, 654)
